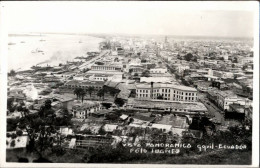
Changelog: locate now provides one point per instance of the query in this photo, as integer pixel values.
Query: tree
(77, 92)
(12, 73)
(101, 131)
(188, 57)
(119, 102)
(143, 61)
(90, 90)
(99, 63)
(235, 60)
(195, 59)
(19, 132)
(82, 95)
(12, 124)
(233, 65)
(145, 73)
(12, 143)
(42, 128)
(244, 67)
(101, 93)
(10, 104)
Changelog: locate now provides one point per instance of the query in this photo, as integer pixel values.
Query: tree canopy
(42, 127)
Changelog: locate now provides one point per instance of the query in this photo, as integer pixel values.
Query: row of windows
(167, 91)
(100, 78)
(75, 86)
(167, 97)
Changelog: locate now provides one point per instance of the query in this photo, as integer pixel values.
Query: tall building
(166, 40)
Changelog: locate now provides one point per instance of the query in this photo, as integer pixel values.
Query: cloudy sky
(234, 19)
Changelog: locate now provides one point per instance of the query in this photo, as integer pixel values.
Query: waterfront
(26, 50)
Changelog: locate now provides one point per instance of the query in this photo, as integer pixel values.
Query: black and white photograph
(136, 82)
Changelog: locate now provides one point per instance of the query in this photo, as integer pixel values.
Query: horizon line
(128, 34)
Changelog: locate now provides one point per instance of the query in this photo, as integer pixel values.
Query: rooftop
(190, 106)
(79, 82)
(174, 121)
(165, 85)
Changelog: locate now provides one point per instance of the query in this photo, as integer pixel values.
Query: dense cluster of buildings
(139, 83)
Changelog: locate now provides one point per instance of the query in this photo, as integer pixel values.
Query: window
(162, 90)
(186, 94)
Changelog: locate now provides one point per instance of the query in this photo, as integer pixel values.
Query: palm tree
(77, 92)
(101, 93)
(82, 95)
(90, 90)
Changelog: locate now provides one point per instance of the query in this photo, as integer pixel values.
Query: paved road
(165, 63)
(213, 110)
(103, 53)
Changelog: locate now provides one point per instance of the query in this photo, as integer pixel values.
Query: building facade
(167, 92)
(106, 68)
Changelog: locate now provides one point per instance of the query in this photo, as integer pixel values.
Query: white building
(82, 111)
(167, 91)
(106, 68)
(246, 60)
(158, 70)
(161, 79)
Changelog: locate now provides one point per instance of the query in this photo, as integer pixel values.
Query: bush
(59, 151)
(12, 143)
(19, 132)
(13, 136)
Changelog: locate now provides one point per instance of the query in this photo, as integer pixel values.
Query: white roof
(162, 126)
(110, 127)
(137, 125)
(20, 142)
(123, 116)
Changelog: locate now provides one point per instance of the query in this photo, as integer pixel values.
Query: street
(213, 110)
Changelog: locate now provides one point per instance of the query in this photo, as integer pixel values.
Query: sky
(225, 19)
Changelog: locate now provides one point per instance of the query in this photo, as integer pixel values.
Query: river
(25, 51)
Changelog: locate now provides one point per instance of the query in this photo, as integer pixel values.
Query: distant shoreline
(104, 35)
(44, 34)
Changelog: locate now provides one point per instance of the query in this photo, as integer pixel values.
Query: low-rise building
(224, 98)
(85, 110)
(158, 70)
(167, 106)
(106, 68)
(84, 84)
